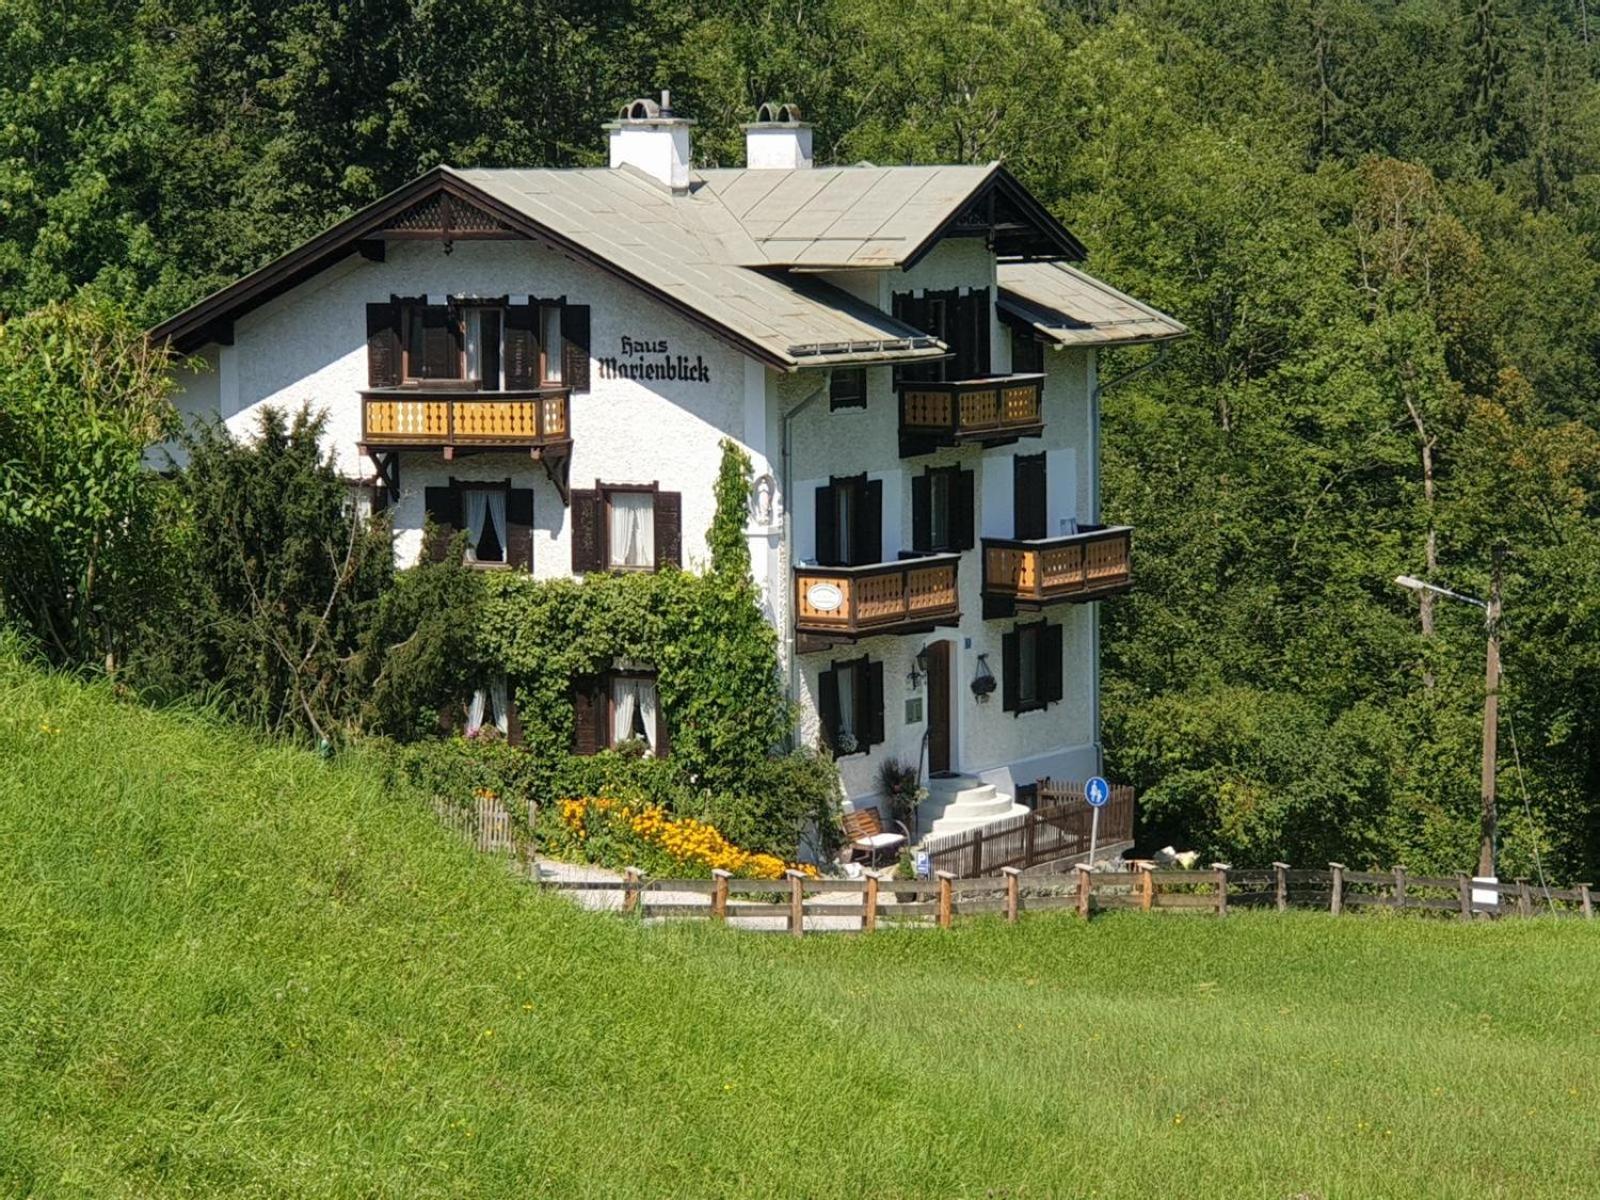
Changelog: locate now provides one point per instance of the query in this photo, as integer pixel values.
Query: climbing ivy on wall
(717, 679)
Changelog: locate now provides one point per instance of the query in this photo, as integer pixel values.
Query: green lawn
(228, 970)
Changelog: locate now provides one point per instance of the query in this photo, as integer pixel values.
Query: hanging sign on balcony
(824, 597)
(653, 361)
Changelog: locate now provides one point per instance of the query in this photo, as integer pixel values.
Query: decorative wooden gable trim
(446, 217)
(1016, 225)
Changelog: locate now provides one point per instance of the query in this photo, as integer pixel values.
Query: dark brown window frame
(850, 400)
(1031, 641)
(601, 681)
(869, 714)
(543, 312)
(607, 490)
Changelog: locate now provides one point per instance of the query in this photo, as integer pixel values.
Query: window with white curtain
(633, 711)
(481, 346)
(845, 681)
(491, 706)
(550, 318)
(485, 512)
(632, 531)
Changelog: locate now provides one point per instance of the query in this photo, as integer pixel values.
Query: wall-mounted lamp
(918, 670)
(983, 683)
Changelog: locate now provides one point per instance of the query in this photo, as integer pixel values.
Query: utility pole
(1491, 718)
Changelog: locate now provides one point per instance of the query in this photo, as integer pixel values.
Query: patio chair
(864, 834)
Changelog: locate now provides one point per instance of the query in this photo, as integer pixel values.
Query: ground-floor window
(618, 710)
(850, 706)
(492, 707)
(1031, 667)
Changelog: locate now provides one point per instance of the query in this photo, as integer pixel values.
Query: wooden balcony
(453, 419)
(986, 411)
(1087, 565)
(912, 595)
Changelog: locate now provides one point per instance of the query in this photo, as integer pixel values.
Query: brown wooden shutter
(443, 508)
(869, 678)
(521, 349)
(663, 729)
(1028, 495)
(587, 515)
(513, 717)
(827, 515)
(589, 723)
(383, 345)
(964, 514)
(1050, 665)
(669, 529)
(913, 310)
(575, 347)
(440, 352)
(828, 706)
(868, 532)
(1010, 671)
(973, 332)
(921, 512)
(519, 528)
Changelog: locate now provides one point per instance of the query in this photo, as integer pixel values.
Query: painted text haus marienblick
(548, 359)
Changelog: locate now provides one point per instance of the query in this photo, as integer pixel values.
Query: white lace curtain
(633, 711)
(633, 530)
(485, 504)
(491, 703)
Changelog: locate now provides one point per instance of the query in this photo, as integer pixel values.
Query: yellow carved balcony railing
(972, 410)
(403, 417)
(911, 595)
(1082, 566)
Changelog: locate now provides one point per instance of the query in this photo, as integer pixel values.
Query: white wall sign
(824, 597)
(653, 361)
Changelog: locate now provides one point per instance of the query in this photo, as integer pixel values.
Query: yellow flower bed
(684, 840)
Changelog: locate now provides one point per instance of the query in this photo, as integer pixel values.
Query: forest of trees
(1379, 220)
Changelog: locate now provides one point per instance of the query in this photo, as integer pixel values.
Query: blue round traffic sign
(1097, 792)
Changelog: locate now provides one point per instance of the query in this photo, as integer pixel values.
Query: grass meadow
(229, 969)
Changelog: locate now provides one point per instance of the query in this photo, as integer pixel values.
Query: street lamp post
(1491, 699)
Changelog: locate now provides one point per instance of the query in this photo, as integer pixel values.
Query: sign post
(1097, 792)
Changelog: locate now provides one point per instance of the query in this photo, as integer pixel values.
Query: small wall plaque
(914, 711)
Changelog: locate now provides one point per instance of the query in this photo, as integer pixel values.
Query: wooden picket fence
(1058, 828)
(798, 903)
(486, 824)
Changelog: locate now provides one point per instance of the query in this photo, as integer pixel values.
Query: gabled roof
(867, 216)
(1071, 308)
(717, 254)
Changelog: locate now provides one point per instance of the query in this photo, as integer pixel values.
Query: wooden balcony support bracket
(557, 461)
(387, 465)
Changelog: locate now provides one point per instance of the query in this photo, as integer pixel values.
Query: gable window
(1031, 667)
(847, 388)
(849, 521)
(626, 527)
(942, 510)
(1028, 496)
(496, 517)
(482, 345)
(616, 710)
(550, 343)
(960, 320)
(1027, 353)
(850, 706)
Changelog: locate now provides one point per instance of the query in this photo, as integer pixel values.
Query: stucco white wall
(309, 346)
(1002, 748)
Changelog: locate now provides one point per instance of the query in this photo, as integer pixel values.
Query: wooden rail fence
(798, 903)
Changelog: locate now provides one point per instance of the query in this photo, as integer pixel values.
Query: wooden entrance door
(938, 707)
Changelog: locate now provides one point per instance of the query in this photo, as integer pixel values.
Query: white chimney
(778, 140)
(648, 136)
